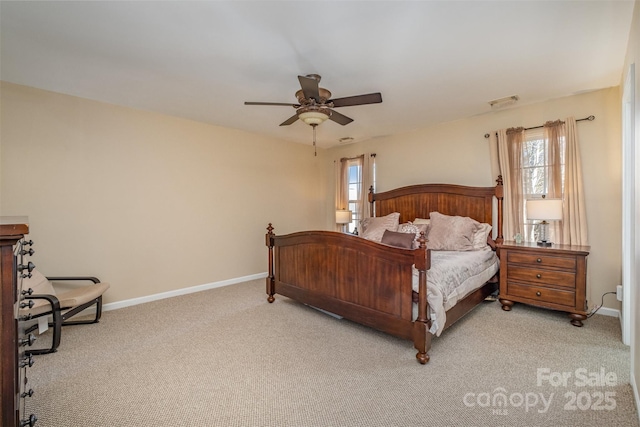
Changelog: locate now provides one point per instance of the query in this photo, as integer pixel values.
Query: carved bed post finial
(270, 278)
(422, 240)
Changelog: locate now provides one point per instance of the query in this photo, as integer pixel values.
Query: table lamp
(343, 217)
(545, 210)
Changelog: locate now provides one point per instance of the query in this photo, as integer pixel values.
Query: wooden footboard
(363, 281)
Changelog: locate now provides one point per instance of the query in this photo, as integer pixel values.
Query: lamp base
(543, 243)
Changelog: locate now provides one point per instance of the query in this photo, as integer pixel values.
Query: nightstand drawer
(541, 276)
(538, 293)
(568, 263)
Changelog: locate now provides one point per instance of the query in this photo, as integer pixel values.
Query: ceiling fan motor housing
(325, 95)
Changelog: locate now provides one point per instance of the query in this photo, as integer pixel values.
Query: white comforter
(452, 276)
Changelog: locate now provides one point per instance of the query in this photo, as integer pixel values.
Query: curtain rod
(590, 118)
(342, 159)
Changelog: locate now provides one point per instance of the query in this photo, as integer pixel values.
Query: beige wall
(147, 202)
(633, 57)
(457, 152)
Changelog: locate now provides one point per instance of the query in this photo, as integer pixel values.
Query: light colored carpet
(226, 357)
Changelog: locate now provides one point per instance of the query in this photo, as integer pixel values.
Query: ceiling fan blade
(290, 120)
(273, 103)
(371, 98)
(309, 87)
(340, 118)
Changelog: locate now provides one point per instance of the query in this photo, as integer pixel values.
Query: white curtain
(574, 230)
(342, 187)
(509, 142)
(553, 135)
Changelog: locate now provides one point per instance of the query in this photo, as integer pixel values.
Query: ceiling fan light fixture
(314, 117)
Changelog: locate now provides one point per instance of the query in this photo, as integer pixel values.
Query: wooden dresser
(553, 277)
(13, 383)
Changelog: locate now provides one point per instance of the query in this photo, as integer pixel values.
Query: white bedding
(452, 276)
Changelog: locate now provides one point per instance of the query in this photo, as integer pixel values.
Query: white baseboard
(609, 312)
(178, 292)
(634, 387)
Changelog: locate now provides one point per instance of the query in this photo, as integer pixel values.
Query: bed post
(270, 278)
(371, 205)
(500, 197)
(421, 326)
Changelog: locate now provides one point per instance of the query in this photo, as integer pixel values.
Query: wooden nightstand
(554, 277)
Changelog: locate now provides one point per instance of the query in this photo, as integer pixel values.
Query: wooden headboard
(417, 201)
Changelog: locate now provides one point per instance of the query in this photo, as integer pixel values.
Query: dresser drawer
(540, 293)
(541, 276)
(567, 263)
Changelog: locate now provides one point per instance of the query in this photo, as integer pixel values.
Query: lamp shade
(544, 209)
(313, 117)
(343, 216)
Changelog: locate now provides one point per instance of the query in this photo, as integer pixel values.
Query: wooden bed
(371, 283)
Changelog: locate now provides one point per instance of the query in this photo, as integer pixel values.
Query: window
(537, 162)
(354, 177)
(538, 167)
(355, 188)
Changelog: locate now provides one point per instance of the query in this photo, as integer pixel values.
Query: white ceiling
(433, 61)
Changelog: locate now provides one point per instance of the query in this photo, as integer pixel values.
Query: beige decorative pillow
(373, 228)
(480, 237)
(451, 233)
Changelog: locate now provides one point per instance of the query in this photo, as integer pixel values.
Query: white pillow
(480, 237)
(422, 221)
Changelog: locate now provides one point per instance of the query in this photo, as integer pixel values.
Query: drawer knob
(29, 304)
(29, 422)
(27, 341)
(29, 267)
(539, 260)
(27, 361)
(538, 293)
(539, 275)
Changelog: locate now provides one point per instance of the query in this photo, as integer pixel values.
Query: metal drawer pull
(538, 293)
(539, 260)
(29, 422)
(538, 275)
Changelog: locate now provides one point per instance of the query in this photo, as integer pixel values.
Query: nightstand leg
(506, 304)
(576, 319)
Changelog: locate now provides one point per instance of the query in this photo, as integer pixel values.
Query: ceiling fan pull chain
(315, 153)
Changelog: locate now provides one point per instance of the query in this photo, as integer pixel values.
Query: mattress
(454, 275)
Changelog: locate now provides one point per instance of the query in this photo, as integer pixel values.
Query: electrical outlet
(619, 292)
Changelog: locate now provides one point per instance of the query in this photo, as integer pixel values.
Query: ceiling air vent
(497, 104)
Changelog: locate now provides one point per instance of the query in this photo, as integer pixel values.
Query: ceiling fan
(315, 104)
